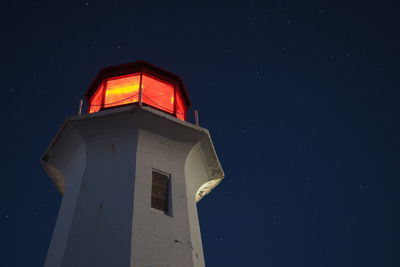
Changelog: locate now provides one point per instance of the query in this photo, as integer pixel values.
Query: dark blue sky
(301, 98)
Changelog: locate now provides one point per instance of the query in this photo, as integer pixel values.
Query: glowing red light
(122, 90)
(180, 106)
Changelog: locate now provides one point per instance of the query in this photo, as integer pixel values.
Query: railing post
(196, 117)
(80, 107)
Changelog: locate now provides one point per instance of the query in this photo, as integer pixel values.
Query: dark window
(160, 191)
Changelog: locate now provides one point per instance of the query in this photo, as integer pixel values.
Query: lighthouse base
(103, 164)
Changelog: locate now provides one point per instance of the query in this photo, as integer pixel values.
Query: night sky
(301, 99)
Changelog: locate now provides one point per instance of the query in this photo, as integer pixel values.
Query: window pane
(122, 90)
(160, 179)
(158, 94)
(160, 191)
(96, 101)
(180, 106)
(159, 204)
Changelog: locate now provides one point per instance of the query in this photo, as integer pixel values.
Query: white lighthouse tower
(131, 172)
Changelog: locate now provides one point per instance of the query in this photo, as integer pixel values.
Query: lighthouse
(131, 170)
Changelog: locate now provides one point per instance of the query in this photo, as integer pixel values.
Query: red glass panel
(96, 101)
(122, 90)
(158, 94)
(180, 106)
(125, 89)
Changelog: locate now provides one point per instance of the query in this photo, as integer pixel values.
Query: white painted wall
(103, 163)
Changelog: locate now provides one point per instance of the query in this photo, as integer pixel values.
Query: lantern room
(138, 83)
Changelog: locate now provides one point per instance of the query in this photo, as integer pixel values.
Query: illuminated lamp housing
(121, 85)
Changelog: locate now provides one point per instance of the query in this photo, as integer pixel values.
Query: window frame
(168, 204)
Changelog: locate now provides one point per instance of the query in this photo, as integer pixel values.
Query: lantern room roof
(135, 67)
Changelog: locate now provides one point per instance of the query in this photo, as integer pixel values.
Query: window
(160, 191)
(158, 94)
(122, 90)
